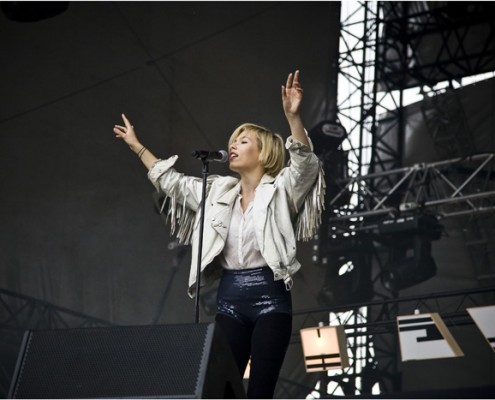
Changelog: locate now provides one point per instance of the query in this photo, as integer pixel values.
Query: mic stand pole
(200, 243)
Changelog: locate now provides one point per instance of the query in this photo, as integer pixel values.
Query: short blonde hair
(270, 144)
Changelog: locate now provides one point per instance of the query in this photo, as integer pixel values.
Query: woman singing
(251, 226)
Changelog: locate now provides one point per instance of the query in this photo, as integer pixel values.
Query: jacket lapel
(267, 189)
(222, 210)
(229, 195)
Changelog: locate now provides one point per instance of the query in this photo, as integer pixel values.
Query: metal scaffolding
(387, 48)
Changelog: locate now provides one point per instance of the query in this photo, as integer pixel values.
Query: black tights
(266, 341)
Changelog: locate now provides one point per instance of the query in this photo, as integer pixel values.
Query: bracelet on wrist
(141, 152)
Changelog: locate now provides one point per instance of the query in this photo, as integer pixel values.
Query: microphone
(220, 156)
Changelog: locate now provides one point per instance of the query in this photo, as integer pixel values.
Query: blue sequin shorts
(247, 294)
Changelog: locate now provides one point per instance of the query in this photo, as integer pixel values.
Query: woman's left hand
(292, 94)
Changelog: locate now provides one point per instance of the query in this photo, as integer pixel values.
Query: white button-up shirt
(241, 249)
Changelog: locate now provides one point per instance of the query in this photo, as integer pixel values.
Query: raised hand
(292, 94)
(127, 133)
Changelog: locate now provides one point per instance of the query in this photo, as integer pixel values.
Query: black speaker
(156, 361)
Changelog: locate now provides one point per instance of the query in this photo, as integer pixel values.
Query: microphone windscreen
(225, 156)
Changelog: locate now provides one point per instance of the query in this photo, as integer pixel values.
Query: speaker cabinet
(156, 361)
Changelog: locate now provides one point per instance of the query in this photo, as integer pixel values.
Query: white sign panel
(425, 336)
(484, 317)
(324, 348)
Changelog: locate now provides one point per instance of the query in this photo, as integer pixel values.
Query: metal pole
(200, 243)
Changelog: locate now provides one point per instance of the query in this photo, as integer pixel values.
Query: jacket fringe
(181, 216)
(309, 218)
(178, 214)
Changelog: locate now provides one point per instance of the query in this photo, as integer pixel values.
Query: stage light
(328, 135)
(348, 272)
(424, 337)
(324, 348)
(410, 266)
(409, 239)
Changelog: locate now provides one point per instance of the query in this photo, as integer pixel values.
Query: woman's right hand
(127, 134)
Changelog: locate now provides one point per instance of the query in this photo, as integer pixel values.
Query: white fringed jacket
(285, 208)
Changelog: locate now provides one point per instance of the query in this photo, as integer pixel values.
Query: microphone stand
(200, 243)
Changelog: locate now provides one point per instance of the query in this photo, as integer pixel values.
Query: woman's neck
(250, 181)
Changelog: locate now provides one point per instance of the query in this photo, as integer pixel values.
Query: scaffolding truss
(449, 188)
(386, 48)
(424, 43)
